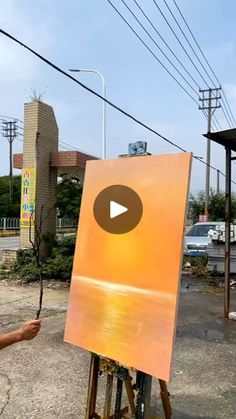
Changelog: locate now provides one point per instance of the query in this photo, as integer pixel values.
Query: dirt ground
(46, 378)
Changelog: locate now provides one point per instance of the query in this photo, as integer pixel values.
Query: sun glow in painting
(124, 290)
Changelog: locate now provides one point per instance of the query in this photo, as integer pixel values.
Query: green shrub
(25, 267)
(57, 266)
(198, 265)
(64, 247)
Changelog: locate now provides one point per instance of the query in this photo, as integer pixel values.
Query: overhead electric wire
(158, 33)
(216, 122)
(232, 115)
(226, 117)
(166, 44)
(232, 118)
(160, 49)
(186, 52)
(142, 27)
(61, 71)
(206, 60)
(10, 117)
(72, 147)
(200, 49)
(185, 37)
(151, 52)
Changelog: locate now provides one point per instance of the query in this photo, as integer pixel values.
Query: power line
(151, 23)
(216, 122)
(11, 117)
(166, 44)
(200, 49)
(177, 38)
(151, 52)
(229, 112)
(72, 147)
(228, 118)
(140, 8)
(207, 62)
(128, 115)
(62, 144)
(160, 49)
(185, 37)
(145, 31)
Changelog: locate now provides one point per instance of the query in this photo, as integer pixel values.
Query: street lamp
(90, 70)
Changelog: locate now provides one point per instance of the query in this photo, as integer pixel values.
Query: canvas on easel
(124, 289)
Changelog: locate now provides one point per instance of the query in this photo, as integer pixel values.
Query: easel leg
(118, 399)
(165, 400)
(108, 397)
(130, 394)
(144, 387)
(92, 390)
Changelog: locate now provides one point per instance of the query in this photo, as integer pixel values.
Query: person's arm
(26, 332)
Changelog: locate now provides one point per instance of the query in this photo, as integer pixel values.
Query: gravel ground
(46, 378)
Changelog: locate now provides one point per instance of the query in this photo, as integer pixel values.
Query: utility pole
(209, 102)
(10, 132)
(218, 182)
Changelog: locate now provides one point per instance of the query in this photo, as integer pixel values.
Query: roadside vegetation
(57, 266)
(7, 208)
(197, 265)
(69, 192)
(216, 206)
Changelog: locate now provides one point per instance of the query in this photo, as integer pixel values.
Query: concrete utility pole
(218, 182)
(10, 132)
(209, 103)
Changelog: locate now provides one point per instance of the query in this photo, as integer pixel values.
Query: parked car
(196, 240)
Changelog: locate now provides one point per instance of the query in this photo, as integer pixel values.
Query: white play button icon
(116, 209)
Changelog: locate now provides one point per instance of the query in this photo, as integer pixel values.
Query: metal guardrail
(8, 223)
(65, 223)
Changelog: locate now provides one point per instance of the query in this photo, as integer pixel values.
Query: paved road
(9, 243)
(46, 378)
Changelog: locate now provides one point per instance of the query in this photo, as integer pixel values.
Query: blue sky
(89, 34)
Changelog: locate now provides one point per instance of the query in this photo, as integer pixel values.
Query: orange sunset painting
(124, 289)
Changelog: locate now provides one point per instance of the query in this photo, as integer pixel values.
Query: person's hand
(29, 329)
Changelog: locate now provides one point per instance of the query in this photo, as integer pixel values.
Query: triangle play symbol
(116, 209)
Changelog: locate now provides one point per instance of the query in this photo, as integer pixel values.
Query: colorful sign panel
(124, 289)
(28, 185)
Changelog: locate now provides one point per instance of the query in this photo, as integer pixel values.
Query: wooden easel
(138, 395)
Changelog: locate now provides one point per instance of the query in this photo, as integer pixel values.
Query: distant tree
(195, 206)
(69, 193)
(216, 206)
(8, 209)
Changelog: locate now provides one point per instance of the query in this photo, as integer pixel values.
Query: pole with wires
(218, 182)
(10, 132)
(101, 97)
(209, 103)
